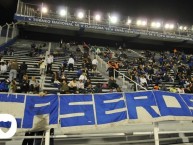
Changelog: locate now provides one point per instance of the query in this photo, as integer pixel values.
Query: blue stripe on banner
(108, 108)
(12, 98)
(141, 99)
(171, 104)
(76, 110)
(36, 105)
(6, 124)
(188, 98)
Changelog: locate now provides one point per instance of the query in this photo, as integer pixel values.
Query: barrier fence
(8, 32)
(78, 113)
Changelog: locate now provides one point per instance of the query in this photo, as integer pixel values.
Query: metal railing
(8, 32)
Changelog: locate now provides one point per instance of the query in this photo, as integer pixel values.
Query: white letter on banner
(13, 128)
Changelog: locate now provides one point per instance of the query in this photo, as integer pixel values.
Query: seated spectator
(173, 89)
(79, 72)
(119, 89)
(143, 81)
(73, 85)
(180, 90)
(13, 86)
(87, 83)
(156, 87)
(42, 65)
(89, 89)
(64, 89)
(83, 77)
(34, 85)
(3, 68)
(63, 77)
(163, 87)
(24, 85)
(98, 88)
(80, 86)
(112, 83)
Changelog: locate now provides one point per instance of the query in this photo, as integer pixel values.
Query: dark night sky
(176, 10)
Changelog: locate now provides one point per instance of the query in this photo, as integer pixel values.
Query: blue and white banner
(87, 111)
(102, 28)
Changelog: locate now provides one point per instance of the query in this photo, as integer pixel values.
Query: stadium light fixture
(169, 26)
(63, 12)
(80, 15)
(113, 19)
(183, 28)
(97, 17)
(44, 10)
(155, 24)
(141, 22)
(129, 21)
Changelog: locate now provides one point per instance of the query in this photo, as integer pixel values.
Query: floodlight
(129, 21)
(181, 27)
(113, 19)
(156, 24)
(80, 15)
(171, 26)
(97, 17)
(144, 23)
(141, 22)
(185, 28)
(63, 12)
(44, 10)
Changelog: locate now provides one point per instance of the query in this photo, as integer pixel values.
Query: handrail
(124, 76)
(136, 53)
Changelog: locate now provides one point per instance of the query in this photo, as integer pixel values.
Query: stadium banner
(79, 112)
(103, 28)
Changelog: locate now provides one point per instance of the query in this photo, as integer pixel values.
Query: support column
(0, 30)
(49, 47)
(7, 34)
(89, 17)
(156, 133)
(18, 4)
(47, 137)
(13, 31)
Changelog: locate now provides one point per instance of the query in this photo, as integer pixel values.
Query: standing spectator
(71, 64)
(49, 62)
(42, 65)
(13, 70)
(22, 71)
(94, 63)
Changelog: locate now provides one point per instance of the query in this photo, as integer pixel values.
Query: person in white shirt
(3, 68)
(83, 77)
(94, 62)
(42, 65)
(71, 64)
(143, 81)
(80, 86)
(49, 62)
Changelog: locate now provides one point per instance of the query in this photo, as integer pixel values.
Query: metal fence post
(123, 80)
(7, 34)
(0, 30)
(156, 133)
(18, 4)
(13, 31)
(47, 137)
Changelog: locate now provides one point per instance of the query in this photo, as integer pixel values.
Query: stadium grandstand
(71, 77)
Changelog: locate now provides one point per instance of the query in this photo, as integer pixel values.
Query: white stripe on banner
(42, 105)
(171, 101)
(16, 109)
(81, 103)
(72, 115)
(140, 97)
(116, 111)
(114, 100)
